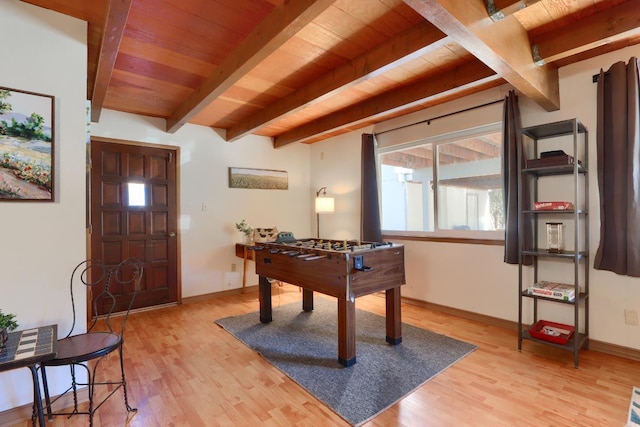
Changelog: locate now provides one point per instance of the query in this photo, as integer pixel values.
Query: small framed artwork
(26, 146)
(264, 179)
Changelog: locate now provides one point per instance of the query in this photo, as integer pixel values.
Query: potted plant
(7, 323)
(245, 228)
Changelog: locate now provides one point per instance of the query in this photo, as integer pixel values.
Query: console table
(243, 251)
(27, 348)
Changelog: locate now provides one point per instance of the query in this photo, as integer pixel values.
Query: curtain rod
(595, 77)
(428, 121)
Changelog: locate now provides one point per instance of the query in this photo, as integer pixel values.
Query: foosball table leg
(307, 300)
(393, 318)
(264, 294)
(346, 332)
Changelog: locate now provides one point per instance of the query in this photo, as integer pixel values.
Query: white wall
(335, 164)
(474, 277)
(208, 236)
(44, 52)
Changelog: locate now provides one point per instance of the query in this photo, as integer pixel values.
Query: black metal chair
(105, 333)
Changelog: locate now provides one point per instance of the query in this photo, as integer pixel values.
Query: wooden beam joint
(494, 13)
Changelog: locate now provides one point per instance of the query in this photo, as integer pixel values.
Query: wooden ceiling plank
(463, 153)
(597, 30)
(282, 24)
(408, 45)
(406, 160)
(115, 21)
(89, 11)
(498, 9)
(484, 146)
(504, 45)
(460, 79)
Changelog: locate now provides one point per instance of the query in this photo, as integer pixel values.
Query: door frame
(174, 148)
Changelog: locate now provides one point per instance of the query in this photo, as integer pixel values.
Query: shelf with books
(553, 212)
(554, 170)
(582, 296)
(560, 201)
(546, 253)
(555, 291)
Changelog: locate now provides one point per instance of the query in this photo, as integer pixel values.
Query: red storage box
(547, 331)
(553, 206)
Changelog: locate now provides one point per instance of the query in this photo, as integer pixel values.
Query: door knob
(172, 234)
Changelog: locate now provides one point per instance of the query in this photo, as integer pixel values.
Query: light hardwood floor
(184, 370)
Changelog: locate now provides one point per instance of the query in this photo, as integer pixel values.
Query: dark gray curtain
(618, 147)
(370, 209)
(512, 155)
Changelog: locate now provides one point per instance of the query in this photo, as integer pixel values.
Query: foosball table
(346, 270)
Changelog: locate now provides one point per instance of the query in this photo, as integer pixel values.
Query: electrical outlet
(233, 267)
(631, 317)
(232, 279)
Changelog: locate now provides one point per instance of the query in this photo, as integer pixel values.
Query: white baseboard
(594, 345)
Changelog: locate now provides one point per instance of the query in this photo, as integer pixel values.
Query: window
(137, 194)
(447, 185)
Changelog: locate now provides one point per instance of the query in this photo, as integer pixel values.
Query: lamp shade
(325, 205)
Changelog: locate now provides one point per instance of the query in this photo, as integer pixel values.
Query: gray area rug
(305, 347)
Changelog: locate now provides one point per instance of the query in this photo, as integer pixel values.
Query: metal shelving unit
(543, 137)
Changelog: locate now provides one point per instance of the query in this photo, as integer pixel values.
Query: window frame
(438, 234)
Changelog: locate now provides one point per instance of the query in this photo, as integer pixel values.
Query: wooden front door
(134, 214)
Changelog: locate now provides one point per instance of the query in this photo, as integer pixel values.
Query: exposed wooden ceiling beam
(484, 182)
(460, 79)
(449, 153)
(486, 146)
(426, 152)
(408, 45)
(115, 21)
(504, 45)
(586, 34)
(448, 159)
(406, 160)
(421, 157)
(282, 24)
(462, 153)
(416, 41)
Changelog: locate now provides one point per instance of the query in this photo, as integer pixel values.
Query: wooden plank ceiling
(306, 70)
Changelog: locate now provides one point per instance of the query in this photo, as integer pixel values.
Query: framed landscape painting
(265, 179)
(26, 146)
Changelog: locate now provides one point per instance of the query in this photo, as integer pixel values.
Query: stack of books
(561, 291)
